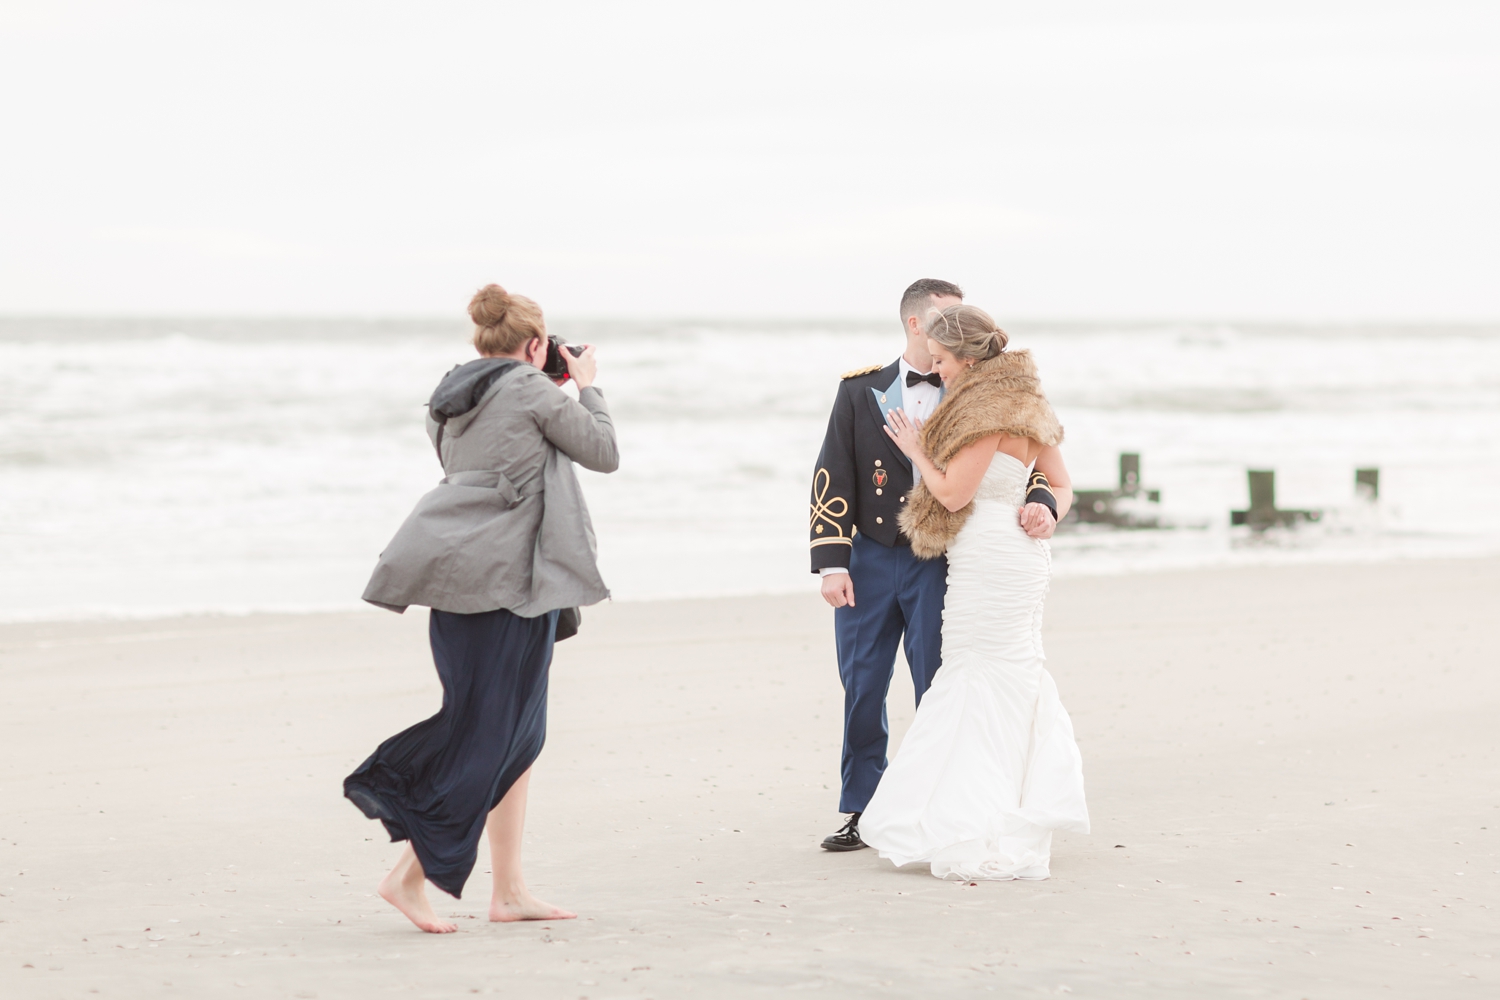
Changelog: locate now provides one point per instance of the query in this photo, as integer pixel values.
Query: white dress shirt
(918, 401)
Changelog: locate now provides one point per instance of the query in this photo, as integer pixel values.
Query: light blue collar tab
(888, 398)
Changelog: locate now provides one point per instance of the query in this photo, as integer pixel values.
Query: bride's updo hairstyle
(502, 321)
(967, 331)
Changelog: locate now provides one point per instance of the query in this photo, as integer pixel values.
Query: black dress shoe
(847, 838)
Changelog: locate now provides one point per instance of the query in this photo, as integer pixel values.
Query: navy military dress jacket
(862, 479)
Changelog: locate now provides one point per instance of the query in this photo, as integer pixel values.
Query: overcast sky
(1061, 160)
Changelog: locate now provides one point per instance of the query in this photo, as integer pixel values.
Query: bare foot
(526, 907)
(410, 897)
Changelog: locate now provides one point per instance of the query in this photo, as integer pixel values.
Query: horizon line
(737, 319)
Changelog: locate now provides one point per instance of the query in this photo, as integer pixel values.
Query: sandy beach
(1291, 771)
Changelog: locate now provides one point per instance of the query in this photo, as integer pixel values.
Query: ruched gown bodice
(989, 768)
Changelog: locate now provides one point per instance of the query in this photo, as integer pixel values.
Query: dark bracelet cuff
(1038, 490)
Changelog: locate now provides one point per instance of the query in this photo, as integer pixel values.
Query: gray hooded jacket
(507, 527)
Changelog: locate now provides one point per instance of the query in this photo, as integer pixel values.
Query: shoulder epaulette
(861, 371)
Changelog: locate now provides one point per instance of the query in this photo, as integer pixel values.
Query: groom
(878, 589)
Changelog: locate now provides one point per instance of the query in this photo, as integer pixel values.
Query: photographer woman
(498, 550)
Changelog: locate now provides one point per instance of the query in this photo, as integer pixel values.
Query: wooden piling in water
(1263, 512)
(1098, 506)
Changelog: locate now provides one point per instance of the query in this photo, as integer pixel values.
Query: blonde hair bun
(968, 331)
(502, 321)
(489, 306)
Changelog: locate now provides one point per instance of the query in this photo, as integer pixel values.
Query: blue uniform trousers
(894, 593)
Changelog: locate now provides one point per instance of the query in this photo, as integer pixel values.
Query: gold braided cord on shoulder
(861, 371)
(823, 513)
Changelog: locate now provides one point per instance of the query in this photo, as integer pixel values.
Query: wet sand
(1292, 774)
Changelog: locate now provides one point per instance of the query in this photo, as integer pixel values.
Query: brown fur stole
(999, 396)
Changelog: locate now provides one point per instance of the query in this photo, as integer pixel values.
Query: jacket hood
(462, 389)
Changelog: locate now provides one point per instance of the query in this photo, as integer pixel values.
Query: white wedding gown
(989, 768)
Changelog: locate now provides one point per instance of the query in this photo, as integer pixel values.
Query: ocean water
(161, 466)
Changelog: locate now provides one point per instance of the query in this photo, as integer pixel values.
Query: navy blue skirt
(435, 783)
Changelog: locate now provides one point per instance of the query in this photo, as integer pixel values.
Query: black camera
(556, 367)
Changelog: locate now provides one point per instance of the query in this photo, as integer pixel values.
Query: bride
(989, 768)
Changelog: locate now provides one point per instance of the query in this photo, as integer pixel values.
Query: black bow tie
(931, 378)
